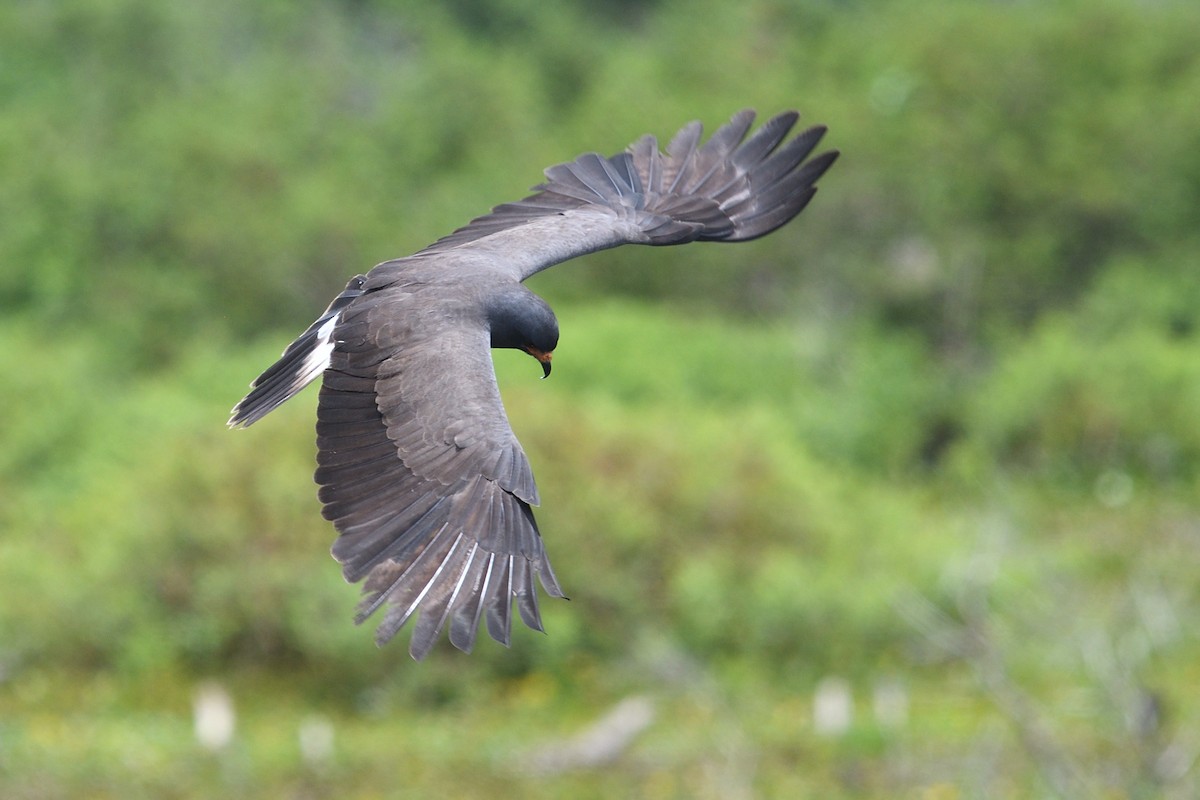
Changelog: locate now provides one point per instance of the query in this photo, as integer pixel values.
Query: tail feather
(301, 363)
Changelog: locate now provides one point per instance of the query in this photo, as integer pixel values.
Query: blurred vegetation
(937, 439)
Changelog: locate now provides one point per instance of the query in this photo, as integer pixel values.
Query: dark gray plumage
(418, 467)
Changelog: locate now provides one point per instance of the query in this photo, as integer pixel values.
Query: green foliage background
(938, 434)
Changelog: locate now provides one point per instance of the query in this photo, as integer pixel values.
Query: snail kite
(418, 468)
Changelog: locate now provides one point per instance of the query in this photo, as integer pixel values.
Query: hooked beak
(544, 357)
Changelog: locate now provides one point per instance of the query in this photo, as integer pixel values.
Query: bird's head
(521, 320)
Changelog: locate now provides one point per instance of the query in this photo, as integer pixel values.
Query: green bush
(1112, 387)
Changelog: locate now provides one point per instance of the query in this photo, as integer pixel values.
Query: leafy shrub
(1113, 387)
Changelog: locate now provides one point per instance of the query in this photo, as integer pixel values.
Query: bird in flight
(418, 467)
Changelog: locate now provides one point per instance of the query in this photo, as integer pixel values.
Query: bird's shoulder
(411, 300)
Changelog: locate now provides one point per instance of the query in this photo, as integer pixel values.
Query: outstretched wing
(731, 188)
(419, 470)
(423, 478)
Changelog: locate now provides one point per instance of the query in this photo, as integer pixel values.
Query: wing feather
(423, 478)
(469, 612)
(730, 188)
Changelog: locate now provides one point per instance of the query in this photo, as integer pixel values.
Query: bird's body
(418, 467)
